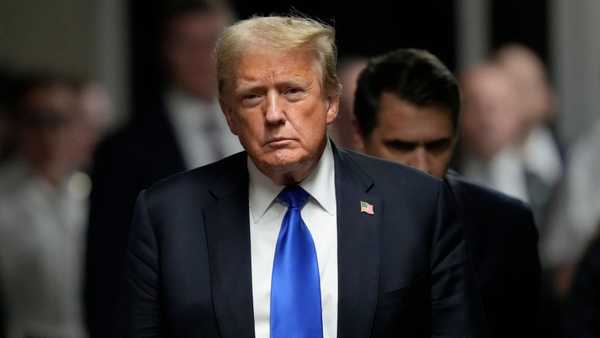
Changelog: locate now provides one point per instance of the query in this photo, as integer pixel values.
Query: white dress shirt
(41, 250)
(575, 220)
(200, 129)
(506, 171)
(319, 214)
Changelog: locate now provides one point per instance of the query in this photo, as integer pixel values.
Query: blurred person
(43, 206)
(573, 220)
(540, 151)
(407, 108)
(342, 130)
(491, 125)
(184, 130)
(366, 248)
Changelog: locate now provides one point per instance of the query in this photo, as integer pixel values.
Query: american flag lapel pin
(367, 208)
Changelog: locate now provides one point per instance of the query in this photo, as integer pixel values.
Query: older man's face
(277, 106)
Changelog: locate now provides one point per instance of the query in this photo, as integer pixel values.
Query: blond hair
(281, 33)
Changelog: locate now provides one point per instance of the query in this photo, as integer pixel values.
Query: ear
(333, 106)
(229, 115)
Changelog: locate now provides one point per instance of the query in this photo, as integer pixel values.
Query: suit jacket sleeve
(448, 309)
(144, 314)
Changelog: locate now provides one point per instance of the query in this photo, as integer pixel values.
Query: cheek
(309, 123)
(441, 160)
(376, 148)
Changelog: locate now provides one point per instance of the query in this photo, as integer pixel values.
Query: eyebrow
(399, 140)
(250, 85)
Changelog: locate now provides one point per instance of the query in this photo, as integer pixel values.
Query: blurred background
(88, 90)
(117, 42)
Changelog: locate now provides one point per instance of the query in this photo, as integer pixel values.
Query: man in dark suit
(181, 129)
(293, 237)
(407, 109)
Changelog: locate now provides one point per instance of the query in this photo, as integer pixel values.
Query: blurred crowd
(67, 186)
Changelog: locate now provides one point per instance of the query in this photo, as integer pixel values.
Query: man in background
(182, 130)
(512, 92)
(407, 108)
(43, 208)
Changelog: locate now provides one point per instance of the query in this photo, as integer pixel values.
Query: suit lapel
(228, 235)
(358, 248)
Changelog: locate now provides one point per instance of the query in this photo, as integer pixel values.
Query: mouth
(279, 142)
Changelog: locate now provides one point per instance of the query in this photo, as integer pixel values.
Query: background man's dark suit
(400, 270)
(503, 284)
(582, 311)
(126, 163)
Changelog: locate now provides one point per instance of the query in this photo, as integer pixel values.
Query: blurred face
(66, 138)
(491, 117)
(530, 83)
(47, 143)
(421, 137)
(189, 45)
(278, 108)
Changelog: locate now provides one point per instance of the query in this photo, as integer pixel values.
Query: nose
(274, 114)
(419, 159)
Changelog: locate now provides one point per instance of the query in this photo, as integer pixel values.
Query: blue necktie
(295, 289)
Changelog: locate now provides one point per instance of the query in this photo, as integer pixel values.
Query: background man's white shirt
(200, 129)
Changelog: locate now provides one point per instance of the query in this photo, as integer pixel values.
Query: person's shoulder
(475, 193)
(200, 180)
(388, 173)
(487, 210)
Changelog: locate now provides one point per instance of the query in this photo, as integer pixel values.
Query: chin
(286, 158)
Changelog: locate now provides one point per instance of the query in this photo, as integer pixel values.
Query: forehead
(397, 118)
(262, 65)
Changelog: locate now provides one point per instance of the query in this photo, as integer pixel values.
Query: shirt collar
(320, 185)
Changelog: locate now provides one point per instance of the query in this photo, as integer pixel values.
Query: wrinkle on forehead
(272, 67)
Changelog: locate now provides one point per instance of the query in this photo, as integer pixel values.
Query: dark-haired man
(407, 108)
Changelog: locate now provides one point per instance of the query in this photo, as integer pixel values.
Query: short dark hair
(415, 76)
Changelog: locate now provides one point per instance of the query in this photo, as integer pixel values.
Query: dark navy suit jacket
(503, 268)
(400, 270)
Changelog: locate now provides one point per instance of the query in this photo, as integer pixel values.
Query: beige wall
(76, 37)
(54, 35)
(575, 26)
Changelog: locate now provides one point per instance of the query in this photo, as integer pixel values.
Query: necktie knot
(294, 196)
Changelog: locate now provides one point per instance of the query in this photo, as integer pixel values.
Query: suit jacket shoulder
(214, 179)
(383, 173)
